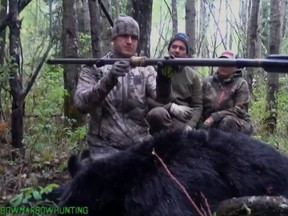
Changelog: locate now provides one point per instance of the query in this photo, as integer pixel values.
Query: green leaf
(26, 189)
(17, 200)
(36, 195)
(48, 188)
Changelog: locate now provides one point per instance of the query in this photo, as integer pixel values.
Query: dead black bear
(218, 164)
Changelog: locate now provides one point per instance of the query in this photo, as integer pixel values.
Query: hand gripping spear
(273, 63)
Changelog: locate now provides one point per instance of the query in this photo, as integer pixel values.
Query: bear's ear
(74, 165)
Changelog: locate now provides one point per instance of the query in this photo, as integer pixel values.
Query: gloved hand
(208, 122)
(188, 128)
(165, 70)
(120, 68)
(182, 113)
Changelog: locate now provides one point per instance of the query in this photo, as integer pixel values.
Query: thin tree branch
(161, 31)
(168, 7)
(200, 39)
(217, 26)
(38, 68)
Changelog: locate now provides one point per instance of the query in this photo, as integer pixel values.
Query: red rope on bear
(180, 185)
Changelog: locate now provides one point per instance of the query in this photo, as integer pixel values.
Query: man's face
(226, 72)
(178, 49)
(126, 45)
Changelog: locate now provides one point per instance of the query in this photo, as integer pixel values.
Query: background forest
(39, 126)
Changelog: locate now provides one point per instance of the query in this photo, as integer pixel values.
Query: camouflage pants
(160, 119)
(233, 124)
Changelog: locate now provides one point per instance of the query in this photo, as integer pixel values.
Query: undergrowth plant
(258, 113)
(34, 197)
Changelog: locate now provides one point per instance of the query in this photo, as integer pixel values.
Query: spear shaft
(273, 63)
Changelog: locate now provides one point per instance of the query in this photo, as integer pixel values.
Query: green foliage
(5, 95)
(259, 114)
(76, 137)
(258, 106)
(122, 9)
(203, 72)
(35, 29)
(44, 122)
(36, 194)
(85, 44)
(265, 24)
(49, 91)
(4, 75)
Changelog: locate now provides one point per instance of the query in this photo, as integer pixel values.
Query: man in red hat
(226, 99)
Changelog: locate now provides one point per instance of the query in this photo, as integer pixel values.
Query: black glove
(120, 68)
(165, 70)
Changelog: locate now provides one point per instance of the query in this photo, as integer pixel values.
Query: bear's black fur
(218, 164)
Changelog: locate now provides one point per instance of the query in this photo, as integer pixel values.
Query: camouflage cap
(125, 25)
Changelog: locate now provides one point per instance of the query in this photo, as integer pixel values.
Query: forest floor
(21, 179)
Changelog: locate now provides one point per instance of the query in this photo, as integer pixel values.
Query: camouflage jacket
(117, 106)
(223, 98)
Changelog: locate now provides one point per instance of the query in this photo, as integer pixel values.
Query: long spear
(273, 63)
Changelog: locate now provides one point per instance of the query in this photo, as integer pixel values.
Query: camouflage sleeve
(92, 88)
(151, 82)
(196, 102)
(241, 102)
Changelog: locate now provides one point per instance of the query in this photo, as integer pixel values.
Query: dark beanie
(181, 37)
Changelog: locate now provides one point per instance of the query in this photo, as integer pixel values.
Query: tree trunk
(254, 206)
(15, 79)
(174, 17)
(70, 50)
(3, 13)
(5, 21)
(190, 22)
(283, 17)
(142, 13)
(229, 29)
(243, 17)
(86, 17)
(117, 8)
(106, 28)
(253, 39)
(202, 51)
(96, 33)
(273, 78)
(79, 14)
(84, 30)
